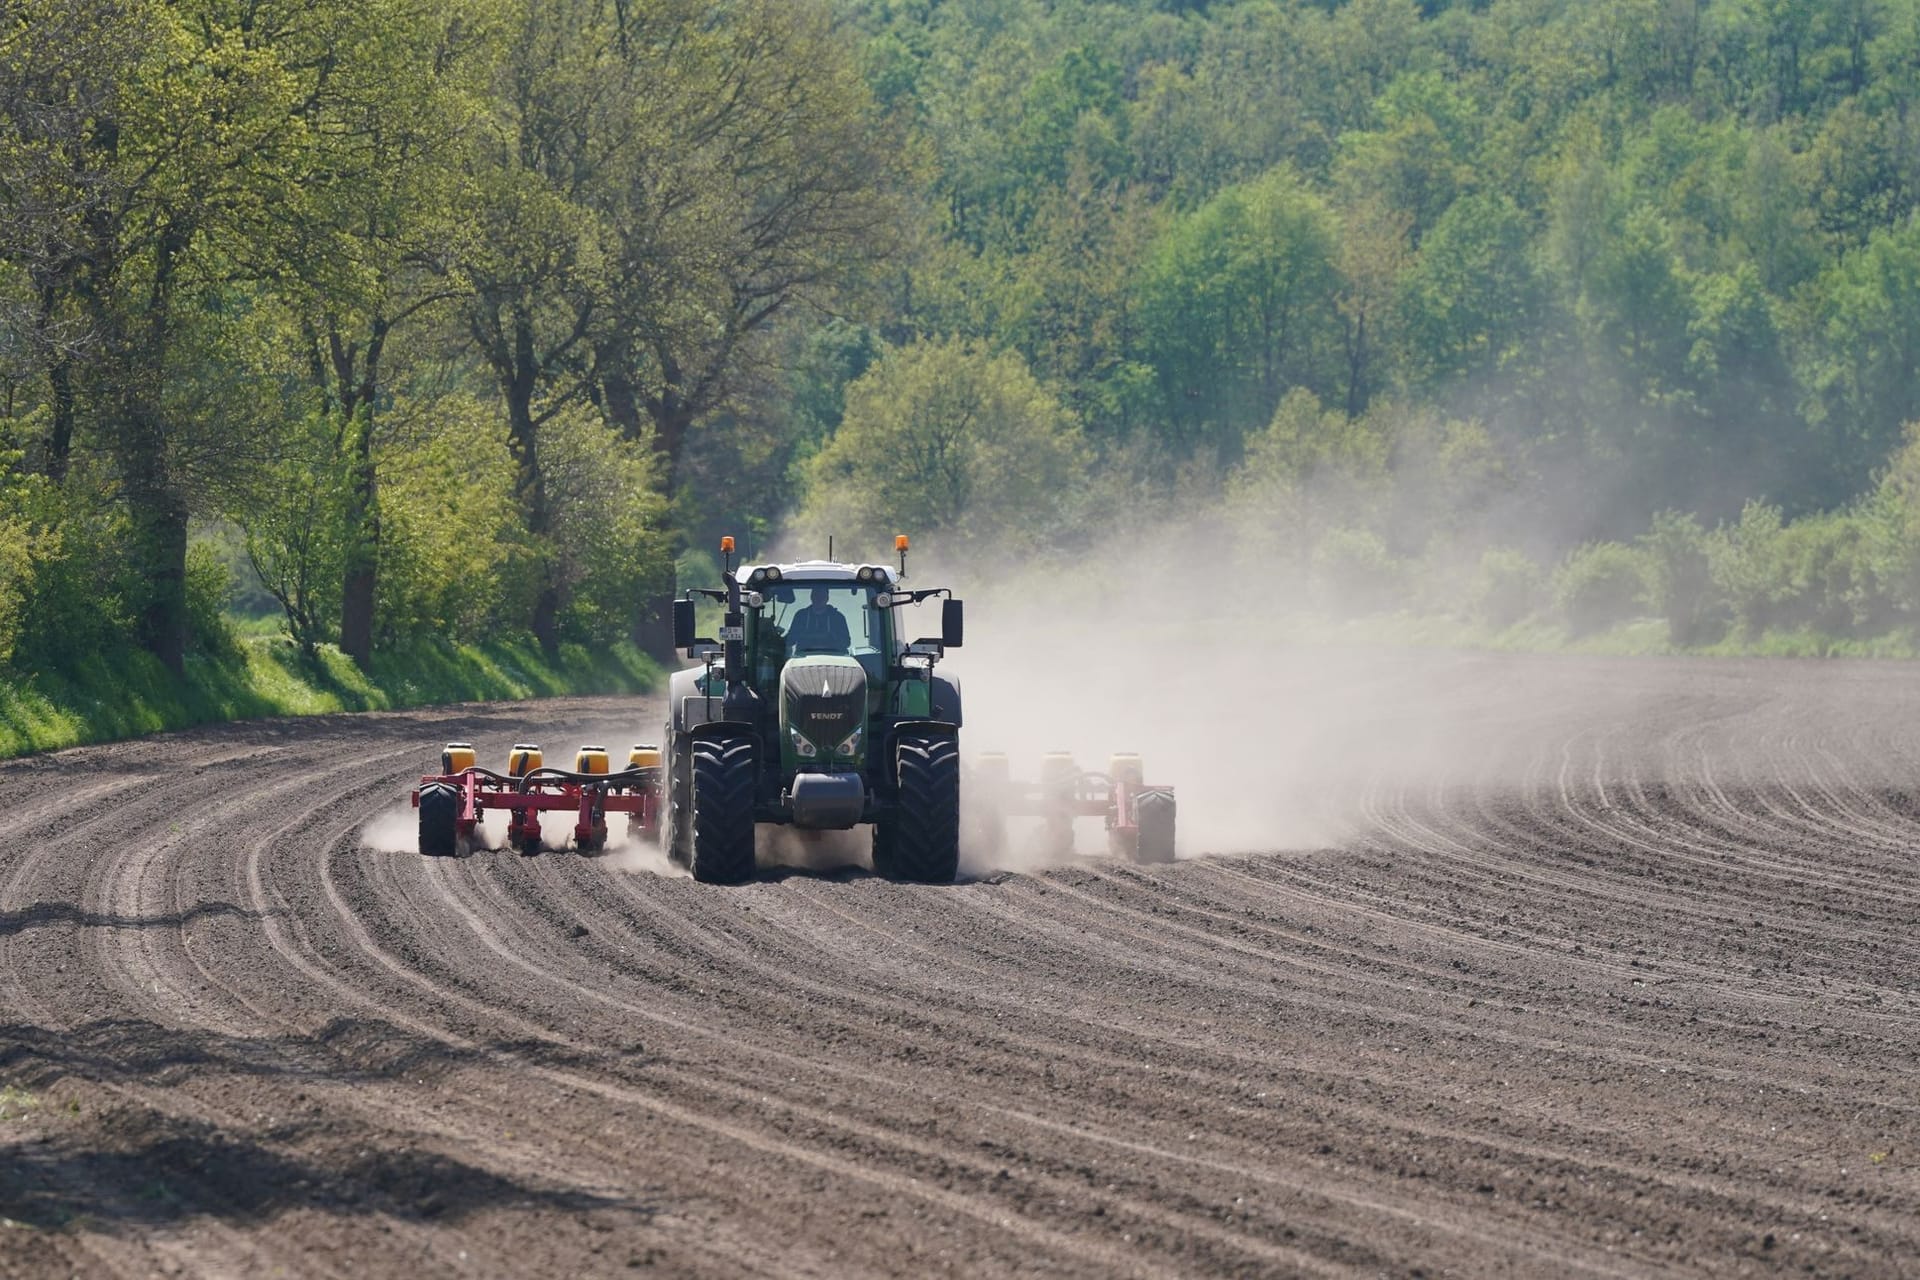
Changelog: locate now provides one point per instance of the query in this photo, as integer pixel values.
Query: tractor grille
(825, 702)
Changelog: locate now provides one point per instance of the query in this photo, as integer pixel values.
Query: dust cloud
(1172, 651)
(395, 830)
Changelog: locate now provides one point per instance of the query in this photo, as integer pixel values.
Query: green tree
(364, 246)
(661, 185)
(1236, 300)
(1469, 297)
(1860, 352)
(168, 136)
(952, 439)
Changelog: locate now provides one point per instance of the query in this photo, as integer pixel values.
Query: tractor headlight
(757, 577)
(865, 574)
(851, 745)
(883, 601)
(801, 747)
(773, 573)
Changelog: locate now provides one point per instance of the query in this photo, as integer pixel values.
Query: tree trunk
(363, 563)
(1356, 364)
(622, 404)
(159, 551)
(60, 439)
(360, 584)
(529, 484)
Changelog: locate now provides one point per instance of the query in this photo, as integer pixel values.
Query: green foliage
(1508, 587)
(111, 694)
(297, 532)
(949, 438)
(16, 580)
(1233, 300)
(1354, 574)
(473, 316)
(75, 595)
(1830, 573)
(1468, 299)
(1747, 565)
(1681, 584)
(453, 558)
(209, 591)
(610, 549)
(1600, 585)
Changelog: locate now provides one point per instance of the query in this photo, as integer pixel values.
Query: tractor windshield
(827, 617)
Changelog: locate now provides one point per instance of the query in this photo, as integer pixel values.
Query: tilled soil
(1618, 973)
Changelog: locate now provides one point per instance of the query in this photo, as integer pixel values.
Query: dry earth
(1623, 979)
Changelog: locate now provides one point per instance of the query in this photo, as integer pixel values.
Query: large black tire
(1153, 815)
(921, 841)
(439, 815)
(724, 776)
(677, 795)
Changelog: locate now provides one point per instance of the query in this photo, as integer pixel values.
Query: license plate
(732, 633)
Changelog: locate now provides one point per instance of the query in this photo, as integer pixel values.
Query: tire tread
(723, 779)
(922, 839)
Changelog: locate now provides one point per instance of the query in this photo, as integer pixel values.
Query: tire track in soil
(1622, 981)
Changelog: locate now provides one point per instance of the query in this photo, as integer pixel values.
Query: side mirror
(952, 623)
(683, 624)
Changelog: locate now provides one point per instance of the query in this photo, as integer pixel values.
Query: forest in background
(403, 319)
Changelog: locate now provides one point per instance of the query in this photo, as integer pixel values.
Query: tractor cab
(816, 608)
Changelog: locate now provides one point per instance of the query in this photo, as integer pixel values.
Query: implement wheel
(439, 814)
(920, 842)
(725, 771)
(1153, 814)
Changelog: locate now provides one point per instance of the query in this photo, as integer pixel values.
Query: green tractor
(813, 709)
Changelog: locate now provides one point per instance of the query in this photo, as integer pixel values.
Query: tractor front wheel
(724, 776)
(677, 801)
(920, 841)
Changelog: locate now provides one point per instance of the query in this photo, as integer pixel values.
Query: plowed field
(1591, 968)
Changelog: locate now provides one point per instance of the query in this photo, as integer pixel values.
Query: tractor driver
(819, 628)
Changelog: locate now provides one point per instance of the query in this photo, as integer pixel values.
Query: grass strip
(104, 697)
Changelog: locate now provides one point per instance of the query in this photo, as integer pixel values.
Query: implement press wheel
(1153, 814)
(439, 815)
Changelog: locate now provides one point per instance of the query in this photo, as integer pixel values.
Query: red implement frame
(634, 792)
(1079, 795)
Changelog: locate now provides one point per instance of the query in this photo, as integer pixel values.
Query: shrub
(1600, 585)
(75, 601)
(1680, 579)
(1832, 579)
(1747, 566)
(1507, 588)
(210, 590)
(16, 580)
(1356, 574)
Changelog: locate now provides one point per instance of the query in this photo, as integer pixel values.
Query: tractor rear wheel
(724, 776)
(439, 812)
(1153, 815)
(921, 840)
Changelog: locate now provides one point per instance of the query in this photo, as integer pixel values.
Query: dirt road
(1618, 973)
